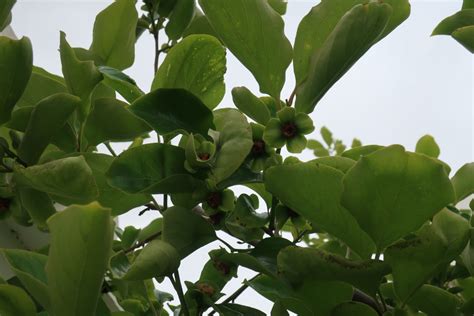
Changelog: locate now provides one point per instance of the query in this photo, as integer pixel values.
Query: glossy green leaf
(312, 298)
(170, 110)
(14, 302)
(427, 145)
(197, 64)
(468, 4)
(314, 191)
(415, 260)
(235, 142)
(114, 34)
(342, 164)
(359, 152)
(186, 231)
(279, 6)
(463, 182)
(120, 82)
(16, 62)
(117, 200)
(353, 309)
(81, 76)
(250, 105)
(456, 21)
(5, 13)
(199, 25)
(229, 309)
(68, 180)
(467, 256)
(42, 84)
(38, 205)
(318, 25)
(49, 116)
(157, 259)
(279, 310)
(180, 17)
(435, 301)
(392, 193)
(29, 267)
(465, 36)
(111, 120)
(244, 26)
(144, 168)
(81, 241)
(298, 264)
(351, 38)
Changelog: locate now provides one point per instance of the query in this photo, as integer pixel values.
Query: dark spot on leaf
(205, 289)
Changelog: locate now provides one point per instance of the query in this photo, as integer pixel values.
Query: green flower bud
(289, 128)
(200, 153)
(260, 152)
(219, 201)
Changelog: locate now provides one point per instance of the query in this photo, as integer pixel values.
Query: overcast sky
(406, 86)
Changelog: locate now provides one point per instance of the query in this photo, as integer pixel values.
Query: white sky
(408, 85)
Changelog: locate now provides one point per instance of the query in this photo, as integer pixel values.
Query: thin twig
(289, 102)
(110, 149)
(179, 289)
(142, 243)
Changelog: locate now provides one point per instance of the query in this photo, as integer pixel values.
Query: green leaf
(314, 191)
(435, 301)
(199, 25)
(111, 120)
(81, 241)
(358, 152)
(68, 180)
(427, 145)
(16, 62)
(456, 21)
(468, 4)
(49, 116)
(353, 309)
(318, 25)
(157, 259)
(352, 37)
(229, 309)
(5, 13)
(180, 18)
(14, 302)
(38, 205)
(279, 310)
(250, 105)
(114, 34)
(170, 110)
(392, 193)
(327, 135)
(337, 162)
(467, 256)
(120, 82)
(197, 64)
(118, 201)
(463, 182)
(279, 6)
(299, 264)
(313, 298)
(29, 267)
(414, 261)
(465, 36)
(235, 142)
(186, 231)
(144, 168)
(244, 25)
(81, 76)
(42, 84)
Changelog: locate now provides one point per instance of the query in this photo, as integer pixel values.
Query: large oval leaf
(81, 241)
(416, 260)
(253, 32)
(170, 110)
(355, 33)
(110, 120)
(320, 22)
(235, 142)
(180, 17)
(463, 182)
(197, 64)
(144, 168)
(392, 193)
(314, 191)
(114, 34)
(16, 62)
(69, 180)
(14, 301)
(48, 116)
(157, 259)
